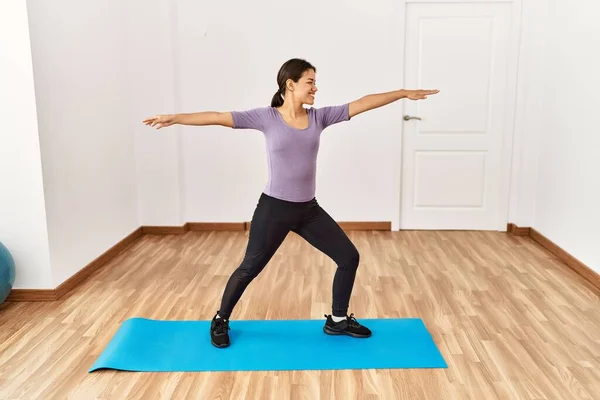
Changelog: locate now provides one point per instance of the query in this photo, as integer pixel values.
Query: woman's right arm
(196, 119)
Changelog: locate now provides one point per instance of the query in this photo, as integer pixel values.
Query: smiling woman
(297, 76)
(288, 202)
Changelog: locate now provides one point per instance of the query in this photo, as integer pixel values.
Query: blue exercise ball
(7, 272)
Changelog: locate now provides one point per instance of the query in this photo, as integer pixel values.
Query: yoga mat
(148, 345)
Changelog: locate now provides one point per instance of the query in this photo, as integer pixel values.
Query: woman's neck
(291, 109)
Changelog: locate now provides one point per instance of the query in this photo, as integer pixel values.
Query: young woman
(288, 203)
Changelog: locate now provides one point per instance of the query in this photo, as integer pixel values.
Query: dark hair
(291, 69)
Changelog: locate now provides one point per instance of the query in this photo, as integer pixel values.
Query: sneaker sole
(329, 331)
(220, 346)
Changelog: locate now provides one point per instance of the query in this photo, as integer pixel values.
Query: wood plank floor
(511, 321)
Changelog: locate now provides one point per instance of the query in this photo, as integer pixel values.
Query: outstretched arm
(372, 101)
(196, 119)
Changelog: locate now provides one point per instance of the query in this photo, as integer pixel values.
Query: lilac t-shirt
(291, 152)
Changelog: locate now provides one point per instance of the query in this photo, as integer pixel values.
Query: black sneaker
(219, 335)
(348, 326)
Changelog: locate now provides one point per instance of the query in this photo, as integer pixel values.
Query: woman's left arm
(372, 101)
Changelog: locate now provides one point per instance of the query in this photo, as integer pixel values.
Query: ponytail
(277, 100)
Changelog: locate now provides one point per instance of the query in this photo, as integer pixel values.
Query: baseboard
(19, 295)
(518, 231)
(580, 268)
(164, 230)
(38, 295)
(194, 226)
(244, 226)
(33, 295)
(360, 225)
(583, 270)
(366, 225)
(217, 226)
(92, 267)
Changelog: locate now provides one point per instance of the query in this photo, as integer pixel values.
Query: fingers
(422, 94)
(149, 121)
(428, 92)
(155, 122)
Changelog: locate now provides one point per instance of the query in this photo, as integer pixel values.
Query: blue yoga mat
(267, 345)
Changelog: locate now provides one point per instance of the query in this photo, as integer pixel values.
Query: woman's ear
(289, 84)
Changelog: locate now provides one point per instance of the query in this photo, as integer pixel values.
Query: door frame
(510, 97)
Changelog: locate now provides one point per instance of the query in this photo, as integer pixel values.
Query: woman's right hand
(161, 121)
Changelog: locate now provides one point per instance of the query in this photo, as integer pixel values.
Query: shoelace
(221, 326)
(352, 321)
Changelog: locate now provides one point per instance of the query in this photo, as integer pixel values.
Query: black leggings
(273, 219)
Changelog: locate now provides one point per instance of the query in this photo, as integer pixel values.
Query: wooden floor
(511, 321)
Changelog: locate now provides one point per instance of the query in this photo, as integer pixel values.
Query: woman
(287, 204)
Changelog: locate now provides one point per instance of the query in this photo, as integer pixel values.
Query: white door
(451, 168)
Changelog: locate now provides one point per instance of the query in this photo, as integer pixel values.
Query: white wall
(80, 68)
(226, 57)
(22, 215)
(556, 181)
(529, 111)
(568, 187)
(152, 90)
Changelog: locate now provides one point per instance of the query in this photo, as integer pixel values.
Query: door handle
(408, 117)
